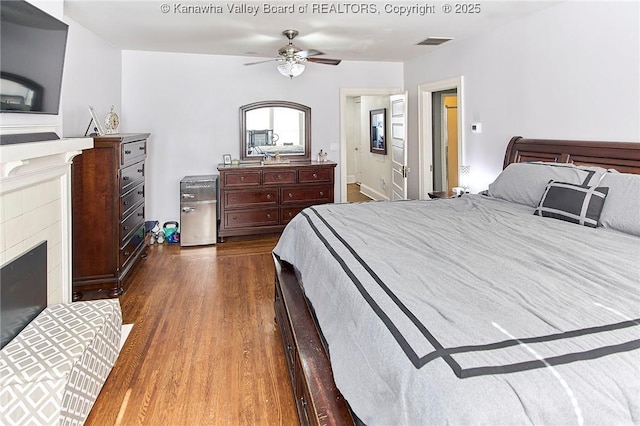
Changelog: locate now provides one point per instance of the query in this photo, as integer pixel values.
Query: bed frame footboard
(318, 400)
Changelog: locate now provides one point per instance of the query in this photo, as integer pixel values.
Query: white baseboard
(372, 193)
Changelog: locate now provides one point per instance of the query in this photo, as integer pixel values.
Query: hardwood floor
(354, 195)
(204, 348)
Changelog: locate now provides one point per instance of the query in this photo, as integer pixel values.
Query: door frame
(344, 94)
(425, 129)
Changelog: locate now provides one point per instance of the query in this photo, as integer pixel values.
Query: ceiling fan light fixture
(291, 68)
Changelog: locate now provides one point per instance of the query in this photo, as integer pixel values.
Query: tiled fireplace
(35, 205)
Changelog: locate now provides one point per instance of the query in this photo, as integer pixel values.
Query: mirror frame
(281, 104)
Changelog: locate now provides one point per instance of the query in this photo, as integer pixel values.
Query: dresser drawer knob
(141, 148)
(290, 195)
(315, 175)
(125, 178)
(321, 193)
(126, 253)
(280, 177)
(235, 197)
(242, 178)
(290, 214)
(140, 214)
(140, 170)
(235, 218)
(127, 152)
(125, 228)
(268, 196)
(268, 215)
(141, 192)
(126, 203)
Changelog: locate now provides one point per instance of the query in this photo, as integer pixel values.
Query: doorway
(356, 163)
(446, 158)
(445, 139)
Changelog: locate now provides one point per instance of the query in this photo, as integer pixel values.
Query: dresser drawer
(130, 200)
(241, 178)
(131, 176)
(262, 197)
(288, 213)
(244, 218)
(280, 176)
(309, 194)
(131, 223)
(133, 151)
(315, 175)
(131, 245)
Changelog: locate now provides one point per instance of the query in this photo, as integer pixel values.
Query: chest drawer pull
(315, 175)
(125, 178)
(140, 170)
(268, 215)
(242, 178)
(126, 151)
(126, 203)
(290, 195)
(268, 196)
(321, 193)
(141, 192)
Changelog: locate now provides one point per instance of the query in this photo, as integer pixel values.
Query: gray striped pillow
(572, 203)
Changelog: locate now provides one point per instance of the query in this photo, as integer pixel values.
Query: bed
(507, 307)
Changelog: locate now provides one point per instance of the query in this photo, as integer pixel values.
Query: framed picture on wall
(378, 136)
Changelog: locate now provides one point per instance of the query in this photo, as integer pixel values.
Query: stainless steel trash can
(198, 210)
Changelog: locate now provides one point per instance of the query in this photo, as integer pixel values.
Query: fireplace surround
(35, 203)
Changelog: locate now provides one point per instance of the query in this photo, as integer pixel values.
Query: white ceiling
(356, 35)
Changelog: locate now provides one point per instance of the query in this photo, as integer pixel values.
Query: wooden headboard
(622, 156)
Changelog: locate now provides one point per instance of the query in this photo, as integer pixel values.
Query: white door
(399, 167)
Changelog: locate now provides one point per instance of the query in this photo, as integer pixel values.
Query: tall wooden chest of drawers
(257, 199)
(108, 186)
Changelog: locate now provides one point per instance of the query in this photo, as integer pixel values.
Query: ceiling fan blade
(261, 62)
(309, 52)
(325, 61)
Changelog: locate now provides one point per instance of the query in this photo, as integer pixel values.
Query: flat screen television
(32, 49)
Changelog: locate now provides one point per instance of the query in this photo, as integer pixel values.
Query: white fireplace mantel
(27, 172)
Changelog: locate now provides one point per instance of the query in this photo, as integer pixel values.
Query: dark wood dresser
(257, 199)
(108, 212)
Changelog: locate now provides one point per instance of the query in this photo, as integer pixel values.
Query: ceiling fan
(292, 58)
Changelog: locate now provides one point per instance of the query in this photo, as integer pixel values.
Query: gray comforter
(472, 311)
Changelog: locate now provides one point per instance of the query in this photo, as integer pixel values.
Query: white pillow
(524, 183)
(621, 211)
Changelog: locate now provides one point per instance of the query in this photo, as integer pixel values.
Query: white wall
(92, 77)
(189, 103)
(353, 144)
(571, 71)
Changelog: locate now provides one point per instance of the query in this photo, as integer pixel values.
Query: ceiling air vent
(434, 41)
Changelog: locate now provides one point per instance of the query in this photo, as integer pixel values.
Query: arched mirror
(275, 128)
